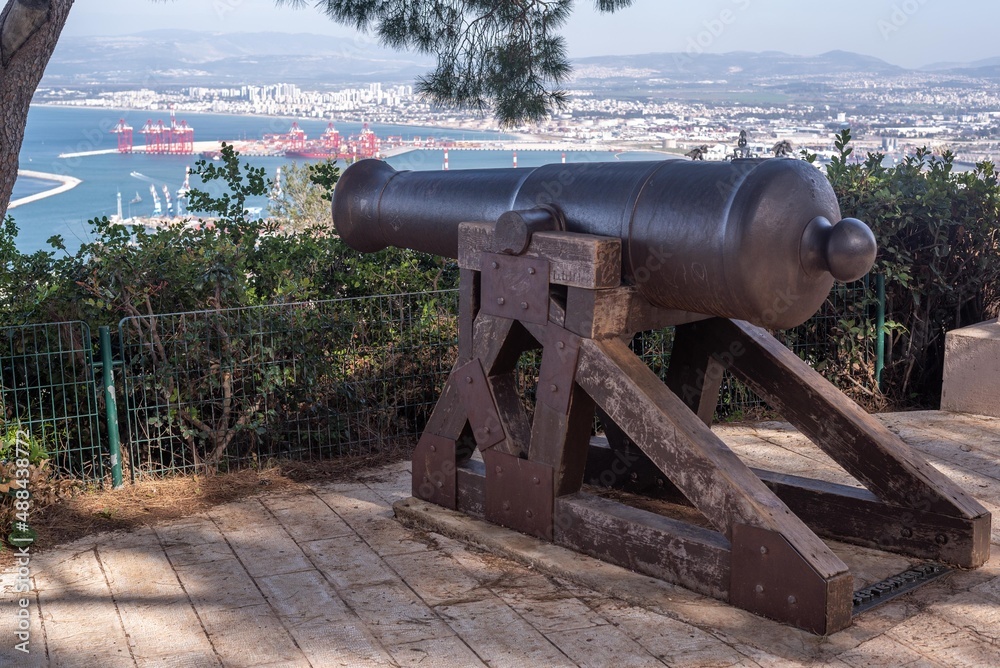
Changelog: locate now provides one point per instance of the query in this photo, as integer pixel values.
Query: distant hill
(738, 64)
(178, 57)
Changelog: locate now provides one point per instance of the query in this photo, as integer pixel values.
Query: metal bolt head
(906, 532)
(560, 345)
(495, 265)
(524, 306)
(535, 480)
(791, 600)
(531, 270)
(553, 388)
(440, 484)
(487, 431)
(426, 479)
(763, 549)
(941, 539)
(434, 448)
(499, 470)
(529, 514)
(500, 301)
(468, 379)
(759, 589)
(506, 505)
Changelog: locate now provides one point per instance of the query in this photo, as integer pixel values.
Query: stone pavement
(329, 577)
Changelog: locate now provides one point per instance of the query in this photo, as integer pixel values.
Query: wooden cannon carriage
(555, 278)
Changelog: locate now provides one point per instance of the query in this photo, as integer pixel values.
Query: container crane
(157, 209)
(124, 132)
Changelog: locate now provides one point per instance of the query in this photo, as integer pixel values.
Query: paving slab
(330, 577)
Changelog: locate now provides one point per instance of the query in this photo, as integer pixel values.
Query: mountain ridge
(205, 58)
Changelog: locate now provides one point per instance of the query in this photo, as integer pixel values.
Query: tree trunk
(29, 31)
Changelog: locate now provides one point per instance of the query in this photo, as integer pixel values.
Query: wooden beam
(468, 309)
(695, 373)
(706, 471)
(618, 312)
(856, 516)
(579, 260)
(878, 458)
(639, 540)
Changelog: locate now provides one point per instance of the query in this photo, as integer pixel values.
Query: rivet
(759, 589)
(468, 379)
(553, 388)
(499, 470)
(763, 549)
(529, 514)
(500, 301)
(434, 448)
(506, 505)
(560, 345)
(495, 265)
(531, 270)
(536, 480)
(426, 479)
(440, 484)
(791, 600)
(487, 430)
(941, 539)
(524, 306)
(633, 476)
(906, 532)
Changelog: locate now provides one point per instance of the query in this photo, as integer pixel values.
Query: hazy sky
(904, 32)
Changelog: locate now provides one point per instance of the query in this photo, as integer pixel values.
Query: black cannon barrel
(757, 240)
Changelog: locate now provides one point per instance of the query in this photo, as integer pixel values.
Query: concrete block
(972, 370)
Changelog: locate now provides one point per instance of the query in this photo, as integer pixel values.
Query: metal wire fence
(47, 389)
(299, 381)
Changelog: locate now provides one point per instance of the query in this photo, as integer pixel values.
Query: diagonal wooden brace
(895, 473)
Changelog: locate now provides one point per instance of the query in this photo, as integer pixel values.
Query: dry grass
(157, 500)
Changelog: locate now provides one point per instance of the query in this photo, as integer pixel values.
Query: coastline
(518, 136)
(66, 183)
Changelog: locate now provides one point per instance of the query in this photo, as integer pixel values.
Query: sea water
(52, 131)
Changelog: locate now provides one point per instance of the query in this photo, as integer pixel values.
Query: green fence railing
(47, 388)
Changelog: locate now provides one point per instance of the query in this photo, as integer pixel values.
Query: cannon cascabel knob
(846, 250)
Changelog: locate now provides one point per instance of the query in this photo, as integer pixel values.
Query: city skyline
(909, 33)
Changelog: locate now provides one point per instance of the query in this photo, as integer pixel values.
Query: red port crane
(153, 135)
(124, 132)
(296, 138)
(180, 140)
(331, 139)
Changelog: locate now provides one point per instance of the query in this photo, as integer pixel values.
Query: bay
(52, 131)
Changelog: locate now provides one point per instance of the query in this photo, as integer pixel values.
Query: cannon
(693, 235)
(577, 259)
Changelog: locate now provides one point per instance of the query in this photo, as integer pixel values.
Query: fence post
(111, 405)
(880, 330)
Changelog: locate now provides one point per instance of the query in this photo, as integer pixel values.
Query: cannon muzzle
(755, 240)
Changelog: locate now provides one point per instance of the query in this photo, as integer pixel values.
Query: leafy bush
(939, 250)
